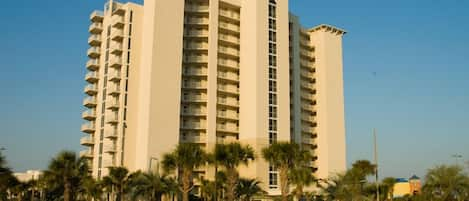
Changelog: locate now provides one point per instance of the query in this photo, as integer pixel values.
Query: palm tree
(68, 170)
(5, 177)
(335, 188)
(151, 186)
(388, 184)
(301, 176)
(248, 188)
(447, 183)
(284, 156)
(230, 156)
(90, 189)
(207, 190)
(185, 158)
(117, 181)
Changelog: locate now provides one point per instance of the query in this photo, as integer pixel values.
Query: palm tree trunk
(284, 183)
(186, 184)
(67, 190)
(232, 178)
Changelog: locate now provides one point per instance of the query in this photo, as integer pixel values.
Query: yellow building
(207, 72)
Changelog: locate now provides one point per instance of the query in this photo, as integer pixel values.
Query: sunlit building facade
(208, 72)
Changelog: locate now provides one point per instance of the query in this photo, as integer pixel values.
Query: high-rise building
(208, 72)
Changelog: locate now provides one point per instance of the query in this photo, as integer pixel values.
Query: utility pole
(376, 163)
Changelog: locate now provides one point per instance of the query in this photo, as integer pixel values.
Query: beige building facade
(208, 72)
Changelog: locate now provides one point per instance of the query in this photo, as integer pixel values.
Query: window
(272, 73)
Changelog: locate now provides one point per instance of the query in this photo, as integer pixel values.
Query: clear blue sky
(418, 100)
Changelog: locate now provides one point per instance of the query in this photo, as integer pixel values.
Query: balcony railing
(97, 16)
(229, 102)
(117, 34)
(116, 48)
(110, 149)
(194, 139)
(229, 38)
(92, 64)
(197, 21)
(115, 62)
(196, 33)
(112, 104)
(91, 77)
(90, 102)
(87, 141)
(112, 118)
(228, 51)
(113, 90)
(229, 27)
(94, 40)
(91, 89)
(86, 154)
(196, 8)
(94, 52)
(89, 115)
(194, 112)
(193, 72)
(228, 63)
(227, 129)
(192, 126)
(88, 127)
(114, 75)
(229, 14)
(195, 59)
(96, 28)
(117, 21)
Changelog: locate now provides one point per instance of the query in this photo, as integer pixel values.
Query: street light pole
(376, 163)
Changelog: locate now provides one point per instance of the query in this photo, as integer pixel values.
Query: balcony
(194, 139)
(94, 52)
(307, 64)
(113, 90)
(228, 102)
(228, 89)
(307, 140)
(115, 62)
(197, 21)
(307, 117)
(228, 27)
(111, 134)
(194, 112)
(196, 8)
(227, 115)
(228, 63)
(229, 15)
(195, 59)
(194, 85)
(307, 85)
(196, 46)
(87, 141)
(117, 21)
(92, 77)
(96, 28)
(86, 154)
(307, 74)
(94, 40)
(193, 126)
(307, 129)
(114, 76)
(91, 89)
(117, 35)
(227, 129)
(116, 48)
(198, 33)
(111, 149)
(112, 118)
(230, 39)
(228, 51)
(112, 104)
(118, 10)
(88, 127)
(194, 72)
(97, 16)
(89, 115)
(92, 64)
(307, 54)
(228, 76)
(194, 99)
(90, 102)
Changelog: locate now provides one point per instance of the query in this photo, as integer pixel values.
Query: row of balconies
(228, 51)
(196, 20)
(232, 89)
(194, 71)
(196, 59)
(196, 33)
(229, 27)
(230, 39)
(196, 8)
(233, 77)
(230, 14)
(194, 84)
(194, 139)
(230, 63)
(196, 46)
(233, 102)
(228, 114)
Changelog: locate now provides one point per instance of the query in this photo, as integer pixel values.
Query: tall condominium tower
(208, 72)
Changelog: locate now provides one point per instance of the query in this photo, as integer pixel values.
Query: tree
(388, 184)
(5, 177)
(67, 170)
(284, 156)
(151, 186)
(90, 189)
(230, 156)
(117, 180)
(447, 183)
(207, 190)
(335, 188)
(248, 188)
(185, 158)
(301, 176)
